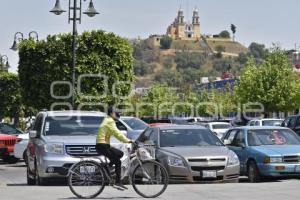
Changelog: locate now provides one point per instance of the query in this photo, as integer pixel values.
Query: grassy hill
(230, 46)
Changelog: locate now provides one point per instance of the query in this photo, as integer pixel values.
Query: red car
(7, 143)
(3, 150)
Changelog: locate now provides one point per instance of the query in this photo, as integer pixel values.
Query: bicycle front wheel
(150, 179)
(86, 179)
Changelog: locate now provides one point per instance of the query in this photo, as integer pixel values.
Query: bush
(166, 42)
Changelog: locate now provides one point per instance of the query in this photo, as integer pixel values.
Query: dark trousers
(114, 155)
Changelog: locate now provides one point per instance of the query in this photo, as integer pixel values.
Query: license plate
(297, 168)
(209, 174)
(87, 169)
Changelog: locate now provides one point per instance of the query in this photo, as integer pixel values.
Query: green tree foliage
(98, 52)
(220, 49)
(171, 77)
(160, 99)
(242, 58)
(141, 68)
(188, 59)
(168, 62)
(258, 51)
(10, 103)
(233, 30)
(166, 42)
(224, 34)
(270, 83)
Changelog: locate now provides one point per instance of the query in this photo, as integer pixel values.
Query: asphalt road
(13, 187)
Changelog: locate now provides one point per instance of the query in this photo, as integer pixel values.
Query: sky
(262, 21)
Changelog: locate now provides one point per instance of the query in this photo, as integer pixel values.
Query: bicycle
(88, 178)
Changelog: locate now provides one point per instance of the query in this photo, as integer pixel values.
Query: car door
(297, 126)
(239, 147)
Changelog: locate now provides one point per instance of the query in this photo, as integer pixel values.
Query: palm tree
(233, 29)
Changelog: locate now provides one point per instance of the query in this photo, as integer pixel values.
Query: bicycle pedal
(118, 188)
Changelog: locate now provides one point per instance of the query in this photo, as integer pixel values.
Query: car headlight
(175, 161)
(55, 148)
(273, 160)
(233, 159)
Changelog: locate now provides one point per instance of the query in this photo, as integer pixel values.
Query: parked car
(8, 141)
(21, 146)
(192, 154)
(58, 139)
(218, 128)
(265, 122)
(3, 150)
(265, 151)
(135, 126)
(9, 129)
(292, 122)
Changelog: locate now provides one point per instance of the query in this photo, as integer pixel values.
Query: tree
(170, 77)
(10, 103)
(242, 58)
(270, 83)
(98, 52)
(220, 49)
(166, 42)
(168, 62)
(187, 59)
(258, 51)
(224, 34)
(233, 30)
(142, 68)
(161, 98)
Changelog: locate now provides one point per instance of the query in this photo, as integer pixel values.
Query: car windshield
(272, 137)
(188, 137)
(9, 130)
(271, 122)
(76, 125)
(135, 123)
(221, 126)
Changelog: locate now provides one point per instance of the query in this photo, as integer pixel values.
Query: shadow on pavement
(107, 197)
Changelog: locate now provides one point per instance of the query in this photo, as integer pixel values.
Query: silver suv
(59, 138)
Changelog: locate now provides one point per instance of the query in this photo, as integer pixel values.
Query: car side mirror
(242, 145)
(33, 134)
(297, 127)
(227, 142)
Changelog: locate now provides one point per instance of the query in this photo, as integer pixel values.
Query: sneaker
(120, 185)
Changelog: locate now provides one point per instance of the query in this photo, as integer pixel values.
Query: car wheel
(30, 180)
(38, 180)
(253, 173)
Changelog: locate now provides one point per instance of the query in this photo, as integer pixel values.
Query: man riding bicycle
(107, 129)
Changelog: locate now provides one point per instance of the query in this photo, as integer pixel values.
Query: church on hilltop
(184, 30)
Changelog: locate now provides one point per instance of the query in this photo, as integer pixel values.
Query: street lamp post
(4, 64)
(20, 36)
(74, 15)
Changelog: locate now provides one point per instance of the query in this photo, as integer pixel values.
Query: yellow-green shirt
(107, 129)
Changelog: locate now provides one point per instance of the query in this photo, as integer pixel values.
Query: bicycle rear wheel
(86, 179)
(150, 179)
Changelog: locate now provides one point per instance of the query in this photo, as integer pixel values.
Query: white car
(218, 128)
(21, 146)
(265, 122)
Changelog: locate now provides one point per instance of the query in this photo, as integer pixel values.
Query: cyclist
(107, 129)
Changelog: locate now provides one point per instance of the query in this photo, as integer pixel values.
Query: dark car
(292, 122)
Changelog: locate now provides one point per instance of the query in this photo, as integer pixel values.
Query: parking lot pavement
(13, 187)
